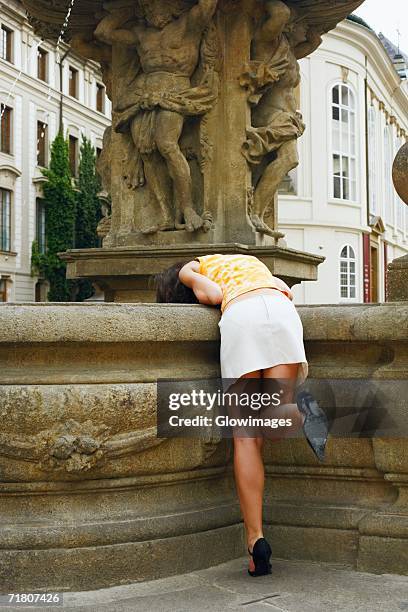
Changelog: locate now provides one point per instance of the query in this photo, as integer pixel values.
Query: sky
(387, 17)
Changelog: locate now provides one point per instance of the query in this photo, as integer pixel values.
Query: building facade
(33, 104)
(340, 201)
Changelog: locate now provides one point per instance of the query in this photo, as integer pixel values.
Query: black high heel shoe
(316, 424)
(261, 554)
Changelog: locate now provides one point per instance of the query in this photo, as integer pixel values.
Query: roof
(391, 49)
(396, 55)
(359, 20)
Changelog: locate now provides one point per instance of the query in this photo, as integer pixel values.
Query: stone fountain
(205, 124)
(89, 495)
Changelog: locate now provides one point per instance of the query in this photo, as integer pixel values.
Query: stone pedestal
(397, 280)
(384, 533)
(90, 497)
(125, 273)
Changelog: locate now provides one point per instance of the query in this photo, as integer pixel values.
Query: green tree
(59, 197)
(88, 208)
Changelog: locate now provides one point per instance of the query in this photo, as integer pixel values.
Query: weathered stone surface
(93, 498)
(50, 14)
(397, 280)
(125, 274)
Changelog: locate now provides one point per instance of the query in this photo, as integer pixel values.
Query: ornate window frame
(347, 274)
(345, 158)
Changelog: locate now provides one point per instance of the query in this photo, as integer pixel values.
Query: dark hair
(169, 287)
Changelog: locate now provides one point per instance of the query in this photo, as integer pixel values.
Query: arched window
(5, 220)
(389, 191)
(347, 272)
(343, 143)
(372, 160)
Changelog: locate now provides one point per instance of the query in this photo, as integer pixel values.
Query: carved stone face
(298, 33)
(157, 14)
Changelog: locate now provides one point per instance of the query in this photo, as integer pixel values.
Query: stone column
(234, 174)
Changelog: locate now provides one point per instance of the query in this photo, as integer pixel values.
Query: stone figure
(85, 44)
(280, 39)
(167, 41)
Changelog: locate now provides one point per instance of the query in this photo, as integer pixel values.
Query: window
(42, 64)
(42, 143)
(73, 154)
(389, 191)
(40, 225)
(73, 82)
(5, 129)
(343, 143)
(347, 272)
(372, 160)
(100, 98)
(6, 44)
(5, 220)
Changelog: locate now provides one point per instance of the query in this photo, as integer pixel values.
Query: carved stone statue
(85, 44)
(153, 109)
(280, 39)
(205, 127)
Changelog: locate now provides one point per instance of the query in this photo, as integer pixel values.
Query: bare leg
(249, 479)
(168, 131)
(285, 376)
(248, 462)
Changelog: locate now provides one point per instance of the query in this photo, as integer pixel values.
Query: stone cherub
(280, 39)
(167, 41)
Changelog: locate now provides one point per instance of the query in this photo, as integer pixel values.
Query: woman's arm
(205, 290)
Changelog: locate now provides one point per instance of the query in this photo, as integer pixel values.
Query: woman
(261, 338)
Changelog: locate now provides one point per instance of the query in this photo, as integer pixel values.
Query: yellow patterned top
(237, 274)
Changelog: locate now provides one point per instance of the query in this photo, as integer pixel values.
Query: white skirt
(260, 332)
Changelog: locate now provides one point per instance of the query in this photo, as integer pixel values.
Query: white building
(31, 118)
(340, 202)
